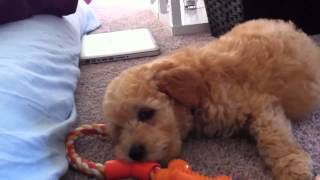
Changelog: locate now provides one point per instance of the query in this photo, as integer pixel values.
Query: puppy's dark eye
(145, 113)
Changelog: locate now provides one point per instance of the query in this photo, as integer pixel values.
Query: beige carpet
(236, 157)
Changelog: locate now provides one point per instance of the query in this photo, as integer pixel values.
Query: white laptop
(120, 45)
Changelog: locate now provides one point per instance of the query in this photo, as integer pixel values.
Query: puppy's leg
(277, 146)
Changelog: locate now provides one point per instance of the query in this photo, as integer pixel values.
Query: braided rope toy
(116, 169)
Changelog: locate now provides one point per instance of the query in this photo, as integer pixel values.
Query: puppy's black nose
(137, 152)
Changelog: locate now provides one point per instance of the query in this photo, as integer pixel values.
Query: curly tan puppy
(257, 77)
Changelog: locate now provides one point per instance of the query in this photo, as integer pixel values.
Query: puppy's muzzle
(137, 152)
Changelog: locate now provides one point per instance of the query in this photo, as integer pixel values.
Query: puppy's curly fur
(259, 76)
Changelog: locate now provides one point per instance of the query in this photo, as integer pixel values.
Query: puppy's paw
(294, 167)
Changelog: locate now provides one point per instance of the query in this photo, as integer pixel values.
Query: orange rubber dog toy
(180, 170)
(116, 169)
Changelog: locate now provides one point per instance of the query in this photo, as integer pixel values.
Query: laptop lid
(119, 45)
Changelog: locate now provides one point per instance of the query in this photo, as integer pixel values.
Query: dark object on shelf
(304, 13)
(190, 4)
(224, 14)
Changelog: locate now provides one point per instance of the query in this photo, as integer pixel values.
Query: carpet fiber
(236, 157)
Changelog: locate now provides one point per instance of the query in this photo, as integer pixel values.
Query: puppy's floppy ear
(183, 84)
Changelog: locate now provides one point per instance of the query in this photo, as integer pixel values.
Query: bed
(38, 76)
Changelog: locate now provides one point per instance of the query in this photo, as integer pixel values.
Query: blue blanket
(38, 76)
